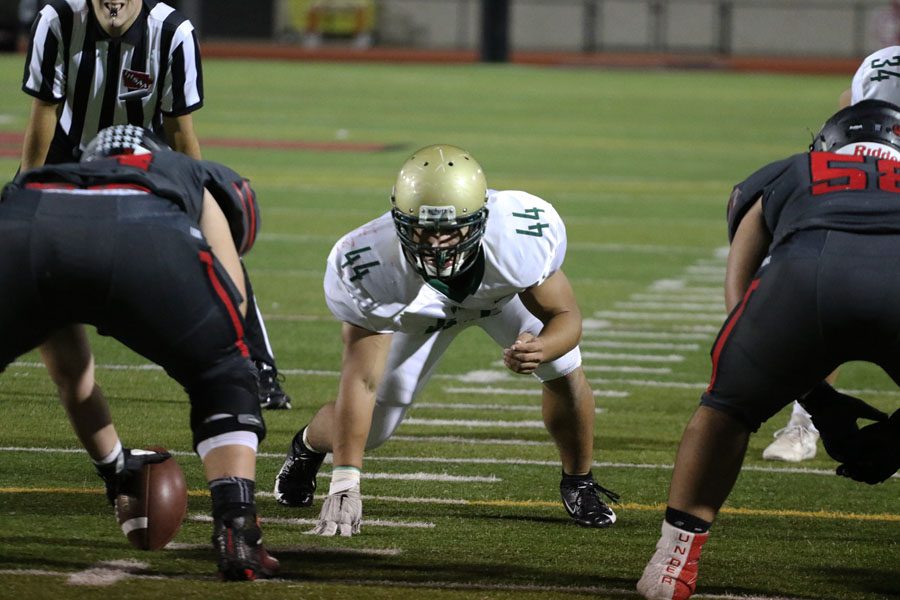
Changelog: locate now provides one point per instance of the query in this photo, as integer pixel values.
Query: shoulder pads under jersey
(747, 192)
(237, 200)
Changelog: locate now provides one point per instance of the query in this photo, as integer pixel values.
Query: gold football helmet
(439, 209)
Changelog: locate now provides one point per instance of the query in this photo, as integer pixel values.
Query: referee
(96, 63)
(109, 63)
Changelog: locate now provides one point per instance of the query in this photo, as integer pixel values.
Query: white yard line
(367, 522)
(453, 439)
(706, 268)
(442, 477)
(534, 391)
(300, 549)
(636, 248)
(678, 296)
(473, 423)
(626, 369)
(473, 460)
(465, 377)
(109, 572)
(640, 345)
(143, 367)
(646, 335)
(711, 329)
(659, 316)
(651, 383)
(498, 407)
(681, 286)
(687, 306)
(303, 318)
(663, 358)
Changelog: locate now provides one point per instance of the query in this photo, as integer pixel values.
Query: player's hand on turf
(525, 355)
(835, 414)
(119, 476)
(341, 514)
(873, 454)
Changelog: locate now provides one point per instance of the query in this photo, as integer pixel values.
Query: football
(152, 517)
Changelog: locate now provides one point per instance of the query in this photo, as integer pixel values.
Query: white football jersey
(369, 283)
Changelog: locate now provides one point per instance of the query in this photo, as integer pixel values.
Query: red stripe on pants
(720, 343)
(207, 259)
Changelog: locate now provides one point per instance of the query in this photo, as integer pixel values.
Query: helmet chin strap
(870, 149)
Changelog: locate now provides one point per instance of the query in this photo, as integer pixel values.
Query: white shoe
(671, 573)
(792, 444)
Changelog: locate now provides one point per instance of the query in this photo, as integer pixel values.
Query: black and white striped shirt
(150, 71)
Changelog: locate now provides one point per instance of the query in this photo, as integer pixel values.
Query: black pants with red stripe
(138, 269)
(825, 298)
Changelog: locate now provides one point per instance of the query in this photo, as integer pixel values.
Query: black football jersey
(746, 193)
(822, 190)
(167, 174)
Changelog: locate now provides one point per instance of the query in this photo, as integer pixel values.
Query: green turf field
(640, 165)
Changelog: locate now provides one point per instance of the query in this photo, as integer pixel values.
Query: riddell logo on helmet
(874, 150)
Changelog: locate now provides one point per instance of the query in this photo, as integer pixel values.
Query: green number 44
(532, 214)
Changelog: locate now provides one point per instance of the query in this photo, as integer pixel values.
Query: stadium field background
(464, 503)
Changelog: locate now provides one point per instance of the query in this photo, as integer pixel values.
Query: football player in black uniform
(816, 247)
(134, 241)
(875, 79)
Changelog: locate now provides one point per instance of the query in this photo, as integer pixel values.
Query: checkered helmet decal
(122, 139)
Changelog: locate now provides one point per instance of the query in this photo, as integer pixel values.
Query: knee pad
(225, 399)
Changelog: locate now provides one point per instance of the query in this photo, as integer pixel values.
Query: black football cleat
(295, 483)
(271, 396)
(581, 497)
(241, 555)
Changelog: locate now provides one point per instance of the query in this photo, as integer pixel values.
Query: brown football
(152, 518)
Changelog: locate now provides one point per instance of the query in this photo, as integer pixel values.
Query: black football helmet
(867, 121)
(122, 139)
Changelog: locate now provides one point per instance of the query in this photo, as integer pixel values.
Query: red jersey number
(827, 178)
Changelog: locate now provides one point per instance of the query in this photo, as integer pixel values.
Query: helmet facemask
(440, 209)
(438, 243)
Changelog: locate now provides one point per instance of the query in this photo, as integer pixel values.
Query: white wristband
(343, 479)
(112, 456)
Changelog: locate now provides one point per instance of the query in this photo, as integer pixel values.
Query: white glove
(341, 513)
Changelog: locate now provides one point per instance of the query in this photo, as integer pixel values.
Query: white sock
(112, 456)
(306, 441)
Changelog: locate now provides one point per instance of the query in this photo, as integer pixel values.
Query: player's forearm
(748, 250)
(561, 333)
(181, 136)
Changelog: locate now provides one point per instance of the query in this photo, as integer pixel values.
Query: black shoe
(237, 540)
(271, 396)
(581, 497)
(295, 483)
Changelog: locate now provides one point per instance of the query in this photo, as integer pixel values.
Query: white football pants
(414, 357)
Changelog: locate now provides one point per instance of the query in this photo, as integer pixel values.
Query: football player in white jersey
(449, 254)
